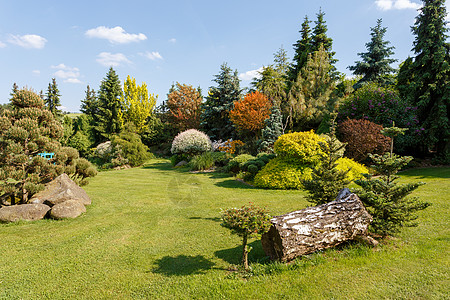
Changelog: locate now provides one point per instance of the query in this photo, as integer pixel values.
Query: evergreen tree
(302, 48)
(26, 130)
(52, 101)
(429, 88)
(14, 90)
(310, 95)
(219, 102)
(272, 130)
(89, 105)
(319, 38)
(107, 117)
(375, 63)
(327, 180)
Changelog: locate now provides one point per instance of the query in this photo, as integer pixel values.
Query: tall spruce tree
(319, 37)
(219, 102)
(429, 87)
(272, 130)
(375, 63)
(302, 48)
(109, 105)
(52, 98)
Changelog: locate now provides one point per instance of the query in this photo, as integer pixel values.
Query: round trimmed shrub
(303, 146)
(356, 169)
(235, 165)
(283, 173)
(191, 142)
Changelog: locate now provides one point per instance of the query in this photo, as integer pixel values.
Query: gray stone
(27, 212)
(67, 210)
(181, 164)
(61, 189)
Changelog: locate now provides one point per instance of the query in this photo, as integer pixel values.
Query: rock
(181, 164)
(315, 228)
(67, 210)
(61, 189)
(27, 212)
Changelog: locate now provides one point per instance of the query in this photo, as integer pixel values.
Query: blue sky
(161, 42)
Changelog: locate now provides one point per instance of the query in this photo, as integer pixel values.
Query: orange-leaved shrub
(362, 137)
(250, 112)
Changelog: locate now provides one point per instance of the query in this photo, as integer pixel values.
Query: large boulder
(27, 212)
(67, 210)
(61, 189)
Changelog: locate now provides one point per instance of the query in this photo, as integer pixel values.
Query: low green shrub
(204, 161)
(221, 159)
(283, 173)
(235, 165)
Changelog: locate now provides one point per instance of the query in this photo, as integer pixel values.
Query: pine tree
(302, 48)
(319, 38)
(52, 99)
(311, 93)
(109, 105)
(384, 198)
(26, 130)
(375, 63)
(219, 102)
(272, 130)
(429, 88)
(327, 180)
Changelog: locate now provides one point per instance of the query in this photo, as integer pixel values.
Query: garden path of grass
(154, 232)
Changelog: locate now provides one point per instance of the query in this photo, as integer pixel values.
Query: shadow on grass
(215, 219)
(433, 172)
(182, 265)
(234, 255)
(234, 184)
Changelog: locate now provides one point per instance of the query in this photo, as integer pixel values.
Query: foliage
(429, 76)
(130, 147)
(68, 131)
(283, 173)
(219, 102)
(327, 179)
(235, 165)
(52, 99)
(303, 146)
(221, 159)
(231, 146)
(201, 162)
(191, 142)
(184, 103)
(25, 131)
(107, 119)
(272, 130)
(356, 170)
(136, 104)
(362, 137)
(250, 113)
(250, 168)
(310, 96)
(302, 49)
(80, 142)
(79, 169)
(375, 63)
(246, 221)
(385, 199)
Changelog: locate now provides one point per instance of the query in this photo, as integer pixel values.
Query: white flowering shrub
(191, 142)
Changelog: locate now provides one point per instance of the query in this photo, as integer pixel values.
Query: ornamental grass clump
(191, 142)
(246, 222)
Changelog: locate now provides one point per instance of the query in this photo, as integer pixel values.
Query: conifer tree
(319, 38)
(429, 87)
(219, 102)
(375, 63)
(52, 99)
(109, 105)
(302, 48)
(327, 180)
(89, 105)
(272, 130)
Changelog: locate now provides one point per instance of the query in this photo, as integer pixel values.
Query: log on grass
(315, 228)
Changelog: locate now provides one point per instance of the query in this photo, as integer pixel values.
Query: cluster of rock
(62, 198)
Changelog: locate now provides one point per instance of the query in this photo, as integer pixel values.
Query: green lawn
(154, 232)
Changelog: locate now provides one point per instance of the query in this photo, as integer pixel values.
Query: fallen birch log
(315, 228)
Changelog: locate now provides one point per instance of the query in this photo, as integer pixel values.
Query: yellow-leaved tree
(137, 103)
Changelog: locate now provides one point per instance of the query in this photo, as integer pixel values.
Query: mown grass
(154, 233)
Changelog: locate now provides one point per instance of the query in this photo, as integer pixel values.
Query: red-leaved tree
(184, 107)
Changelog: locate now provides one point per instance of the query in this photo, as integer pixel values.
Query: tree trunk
(245, 252)
(315, 228)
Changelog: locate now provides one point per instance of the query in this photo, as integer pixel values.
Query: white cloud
(2, 45)
(173, 40)
(112, 60)
(116, 35)
(36, 72)
(28, 41)
(249, 75)
(397, 4)
(152, 55)
(67, 74)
